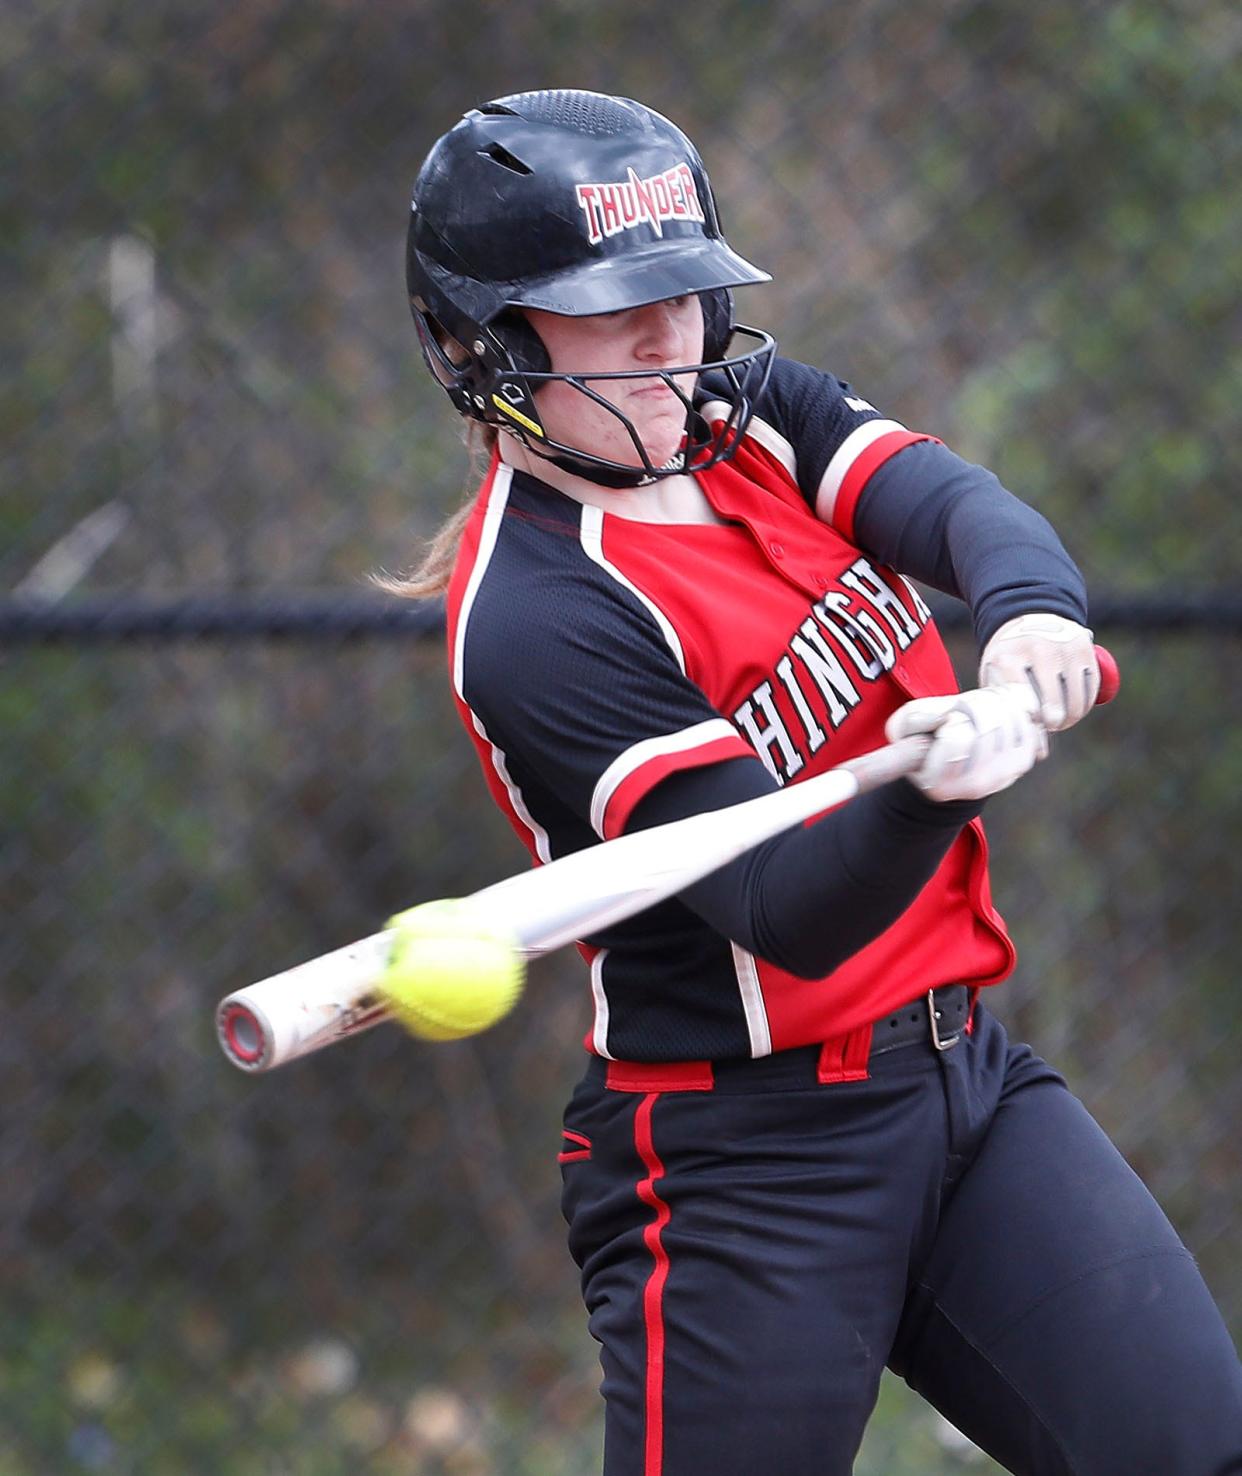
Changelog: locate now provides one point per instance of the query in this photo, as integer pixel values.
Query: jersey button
(777, 550)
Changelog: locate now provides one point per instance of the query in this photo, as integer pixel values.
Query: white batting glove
(981, 741)
(1052, 656)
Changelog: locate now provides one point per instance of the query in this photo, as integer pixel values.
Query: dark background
(1019, 228)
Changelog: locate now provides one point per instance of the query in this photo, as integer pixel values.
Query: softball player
(803, 1148)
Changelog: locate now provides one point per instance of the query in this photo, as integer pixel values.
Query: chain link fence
(220, 754)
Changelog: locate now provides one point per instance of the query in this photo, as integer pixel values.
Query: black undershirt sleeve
(811, 897)
(950, 524)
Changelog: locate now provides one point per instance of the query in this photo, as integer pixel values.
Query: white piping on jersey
(846, 454)
(634, 757)
(497, 499)
(591, 536)
(767, 435)
(599, 1031)
(751, 990)
(673, 501)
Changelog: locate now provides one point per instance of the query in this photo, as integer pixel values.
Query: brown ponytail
(431, 575)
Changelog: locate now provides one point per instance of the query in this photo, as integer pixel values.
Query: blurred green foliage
(157, 1385)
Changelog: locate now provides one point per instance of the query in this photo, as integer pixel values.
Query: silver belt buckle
(941, 1042)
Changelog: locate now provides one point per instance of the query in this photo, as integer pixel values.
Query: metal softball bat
(333, 997)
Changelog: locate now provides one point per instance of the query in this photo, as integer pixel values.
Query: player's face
(661, 335)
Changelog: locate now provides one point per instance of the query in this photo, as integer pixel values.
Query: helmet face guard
(507, 398)
(576, 204)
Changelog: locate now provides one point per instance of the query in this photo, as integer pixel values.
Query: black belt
(936, 1019)
(939, 1017)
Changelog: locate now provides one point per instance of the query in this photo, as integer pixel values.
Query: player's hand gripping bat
(334, 996)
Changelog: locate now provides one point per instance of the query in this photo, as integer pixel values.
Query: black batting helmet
(576, 203)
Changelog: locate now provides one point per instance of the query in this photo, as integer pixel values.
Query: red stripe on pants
(653, 1293)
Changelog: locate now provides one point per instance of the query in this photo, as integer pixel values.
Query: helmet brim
(664, 269)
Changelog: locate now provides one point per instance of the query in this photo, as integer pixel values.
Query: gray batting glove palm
(1051, 656)
(981, 741)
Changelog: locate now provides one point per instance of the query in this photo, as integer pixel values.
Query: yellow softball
(450, 974)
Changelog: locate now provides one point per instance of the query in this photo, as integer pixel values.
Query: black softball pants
(752, 1257)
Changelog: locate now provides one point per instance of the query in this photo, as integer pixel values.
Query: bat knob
(1110, 675)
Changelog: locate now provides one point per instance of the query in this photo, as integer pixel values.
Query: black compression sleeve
(952, 525)
(809, 898)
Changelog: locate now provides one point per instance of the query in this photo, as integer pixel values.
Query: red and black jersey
(593, 656)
